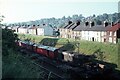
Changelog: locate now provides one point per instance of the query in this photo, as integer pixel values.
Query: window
(114, 33)
(110, 33)
(97, 33)
(88, 32)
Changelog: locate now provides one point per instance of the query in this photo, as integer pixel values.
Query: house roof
(98, 28)
(114, 27)
(69, 25)
(82, 27)
(73, 26)
(32, 27)
(65, 25)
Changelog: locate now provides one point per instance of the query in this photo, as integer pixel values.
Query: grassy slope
(15, 66)
(109, 50)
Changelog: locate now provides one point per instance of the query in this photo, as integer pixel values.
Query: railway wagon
(23, 44)
(35, 47)
(29, 46)
(67, 56)
(52, 52)
(42, 50)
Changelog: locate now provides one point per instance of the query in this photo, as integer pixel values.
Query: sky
(30, 10)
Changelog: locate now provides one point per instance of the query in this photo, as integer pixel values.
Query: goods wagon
(52, 52)
(42, 50)
(35, 47)
(23, 44)
(29, 46)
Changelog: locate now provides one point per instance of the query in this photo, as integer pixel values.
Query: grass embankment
(15, 66)
(109, 51)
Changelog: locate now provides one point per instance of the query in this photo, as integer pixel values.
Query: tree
(8, 40)
(1, 19)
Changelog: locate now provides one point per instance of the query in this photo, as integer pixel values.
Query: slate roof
(69, 25)
(98, 28)
(65, 26)
(82, 27)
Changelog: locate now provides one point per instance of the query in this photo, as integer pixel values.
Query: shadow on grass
(53, 42)
(49, 41)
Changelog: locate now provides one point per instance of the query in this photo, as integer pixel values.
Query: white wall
(40, 31)
(88, 35)
(22, 30)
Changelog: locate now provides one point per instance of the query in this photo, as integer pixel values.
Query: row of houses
(90, 31)
(43, 30)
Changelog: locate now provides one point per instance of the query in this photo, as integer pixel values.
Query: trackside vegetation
(14, 65)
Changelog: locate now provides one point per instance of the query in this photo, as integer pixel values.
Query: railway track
(43, 63)
(51, 67)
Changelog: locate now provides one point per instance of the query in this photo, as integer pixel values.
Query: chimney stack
(69, 22)
(86, 23)
(92, 23)
(77, 23)
(105, 23)
(33, 25)
(43, 24)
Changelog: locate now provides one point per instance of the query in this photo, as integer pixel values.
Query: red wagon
(42, 50)
(52, 52)
(35, 47)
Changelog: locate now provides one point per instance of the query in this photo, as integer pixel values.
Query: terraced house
(90, 31)
(43, 30)
(113, 33)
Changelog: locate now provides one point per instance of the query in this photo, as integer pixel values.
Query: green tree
(8, 40)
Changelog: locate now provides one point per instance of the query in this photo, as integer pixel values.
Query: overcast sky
(26, 10)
